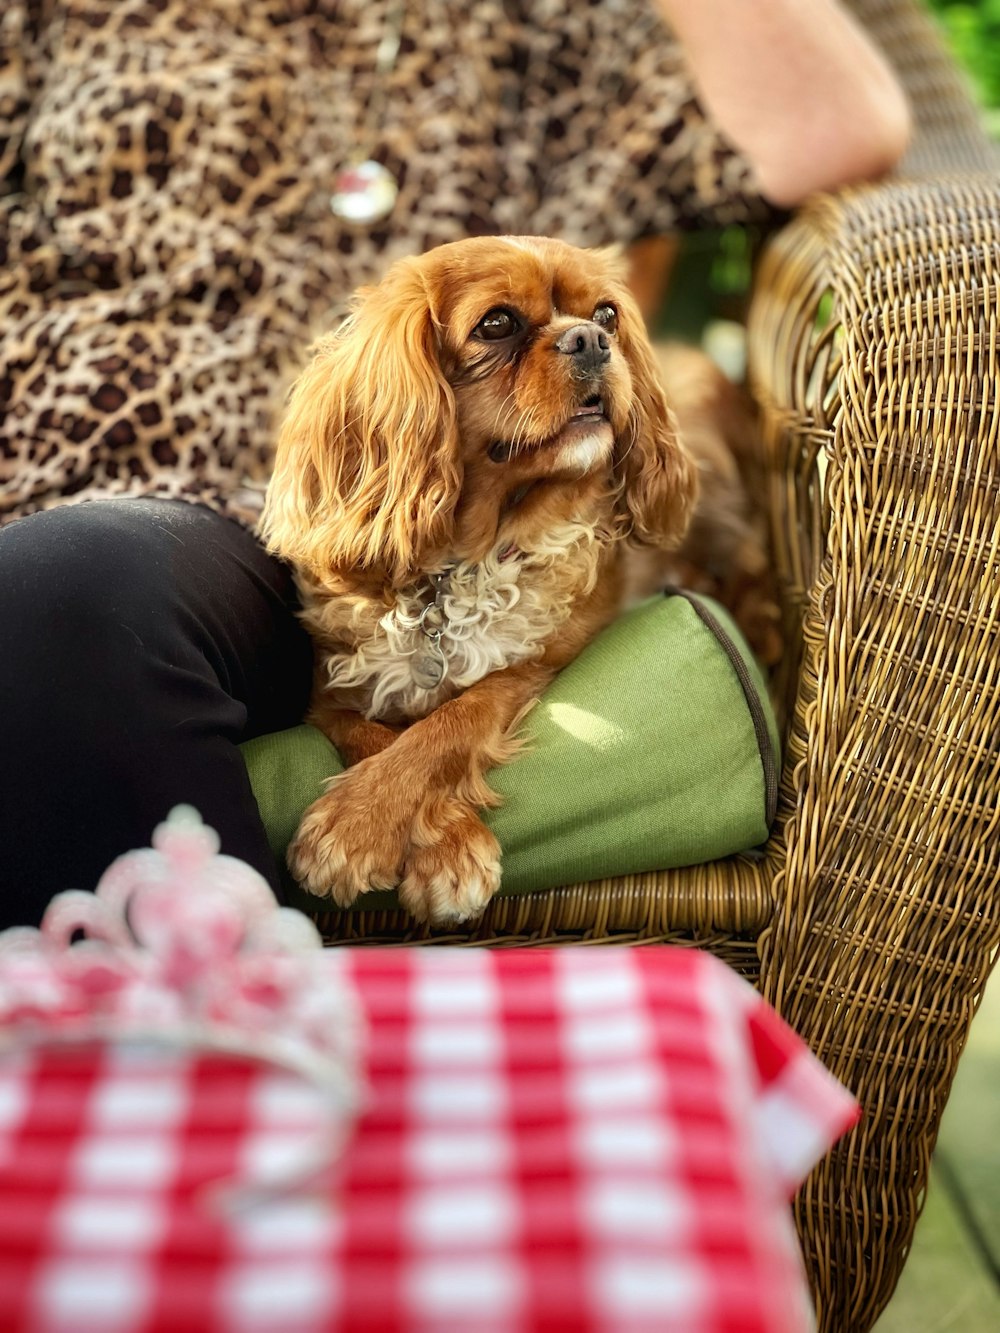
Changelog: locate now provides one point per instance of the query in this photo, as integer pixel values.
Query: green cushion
(657, 747)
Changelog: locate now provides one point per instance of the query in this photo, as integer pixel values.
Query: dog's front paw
(452, 865)
(350, 840)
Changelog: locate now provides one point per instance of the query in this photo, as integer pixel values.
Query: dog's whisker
(501, 410)
(526, 426)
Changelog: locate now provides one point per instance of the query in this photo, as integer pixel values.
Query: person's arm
(797, 86)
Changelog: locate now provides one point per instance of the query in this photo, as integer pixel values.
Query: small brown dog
(461, 476)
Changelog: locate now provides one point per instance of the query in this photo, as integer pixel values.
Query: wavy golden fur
(492, 413)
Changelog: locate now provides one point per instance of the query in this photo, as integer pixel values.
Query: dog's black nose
(587, 344)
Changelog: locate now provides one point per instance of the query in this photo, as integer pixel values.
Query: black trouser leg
(140, 642)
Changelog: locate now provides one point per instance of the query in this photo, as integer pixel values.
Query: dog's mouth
(590, 410)
(586, 441)
(590, 415)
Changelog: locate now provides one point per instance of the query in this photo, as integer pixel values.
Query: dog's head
(479, 395)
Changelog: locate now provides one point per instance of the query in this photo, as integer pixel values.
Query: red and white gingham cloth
(593, 1139)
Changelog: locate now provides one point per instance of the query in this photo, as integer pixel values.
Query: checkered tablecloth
(599, 1139)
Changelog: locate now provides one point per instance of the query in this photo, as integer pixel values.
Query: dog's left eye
(498, 324)
(607, 317)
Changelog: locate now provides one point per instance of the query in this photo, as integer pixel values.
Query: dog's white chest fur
(494, 614)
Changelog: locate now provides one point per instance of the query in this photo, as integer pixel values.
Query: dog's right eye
(497, 324)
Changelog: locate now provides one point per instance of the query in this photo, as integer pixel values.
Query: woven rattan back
(873, 346)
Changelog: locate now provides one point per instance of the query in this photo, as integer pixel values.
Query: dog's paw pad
(335, 853)
(453, 878)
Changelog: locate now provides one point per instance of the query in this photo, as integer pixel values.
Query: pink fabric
(593, 1139)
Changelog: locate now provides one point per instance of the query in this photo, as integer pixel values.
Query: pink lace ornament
(185, 946)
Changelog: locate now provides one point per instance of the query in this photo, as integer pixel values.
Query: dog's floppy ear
(657, 477)
(367, 472)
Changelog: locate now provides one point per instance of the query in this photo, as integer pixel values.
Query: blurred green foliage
(973, 32)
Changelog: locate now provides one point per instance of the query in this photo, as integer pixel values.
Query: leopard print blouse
(167, 249)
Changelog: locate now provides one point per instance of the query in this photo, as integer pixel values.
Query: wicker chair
(872, 918)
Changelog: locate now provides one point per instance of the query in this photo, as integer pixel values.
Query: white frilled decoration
(183, 946)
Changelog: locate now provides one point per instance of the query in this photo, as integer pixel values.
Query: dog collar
(429, 665)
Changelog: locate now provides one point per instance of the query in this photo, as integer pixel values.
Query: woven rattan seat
(872, 919)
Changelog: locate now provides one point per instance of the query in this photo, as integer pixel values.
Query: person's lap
(141, 642)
